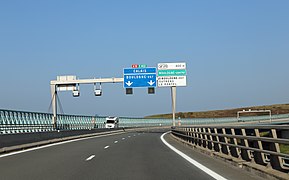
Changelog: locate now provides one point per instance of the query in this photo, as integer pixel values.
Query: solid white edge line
(195, 163)
(90, 158)
(54, 144)
(36, 148)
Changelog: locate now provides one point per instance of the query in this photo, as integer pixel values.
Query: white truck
(111, 122)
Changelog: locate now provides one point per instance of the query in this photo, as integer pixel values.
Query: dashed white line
(106, 147)
(192, 161)
(123, 138)
(54, 144)
(90, 158)
(128, 136)
(115, 142)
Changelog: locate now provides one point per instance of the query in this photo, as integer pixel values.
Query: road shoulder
(219, 166)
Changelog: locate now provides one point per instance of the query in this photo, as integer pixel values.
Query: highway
(123, 156)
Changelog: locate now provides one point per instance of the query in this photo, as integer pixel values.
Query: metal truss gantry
(70, 83)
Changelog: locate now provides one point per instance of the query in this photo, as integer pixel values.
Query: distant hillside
(275, 109)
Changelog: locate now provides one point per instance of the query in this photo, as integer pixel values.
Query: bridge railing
(264, 145)
(24, 122)
(12, 122)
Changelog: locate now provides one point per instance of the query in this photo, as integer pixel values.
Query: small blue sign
(139, 77)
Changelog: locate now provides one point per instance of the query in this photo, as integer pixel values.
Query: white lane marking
(134, 135)
(90, 158)
(54, 144)
(106, 147)
(123, 138)
(195, 163)
(36, 148)
(115, 142)
(128, 136)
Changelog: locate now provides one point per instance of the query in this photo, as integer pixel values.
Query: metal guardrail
(24, 122)
(13, 122)
(263, 145)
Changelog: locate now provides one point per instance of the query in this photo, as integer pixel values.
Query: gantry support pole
(54, 105)
(174, 94)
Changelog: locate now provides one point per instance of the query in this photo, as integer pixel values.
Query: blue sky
(237, 52)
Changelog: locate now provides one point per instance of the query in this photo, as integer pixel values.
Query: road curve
(123, 156)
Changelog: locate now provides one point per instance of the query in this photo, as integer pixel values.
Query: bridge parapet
(265, 145)
(13, 122)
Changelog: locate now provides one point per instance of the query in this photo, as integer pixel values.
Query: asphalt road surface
(123, 156)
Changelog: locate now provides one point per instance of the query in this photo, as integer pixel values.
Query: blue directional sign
(139, 77)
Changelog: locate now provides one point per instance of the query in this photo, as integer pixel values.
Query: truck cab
(111, 122)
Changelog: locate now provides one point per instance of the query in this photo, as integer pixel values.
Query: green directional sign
(142, 65)
(172, 72)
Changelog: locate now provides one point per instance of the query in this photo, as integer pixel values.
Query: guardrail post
(235, 152)
(217, 145)
(205, 141)
(188, 134)
(194, 136)
(258, 156)
(246, 154)
(210, 143)
(225, 148)
(275, 161)
(197, 137)
(191, 136)
(202, 137)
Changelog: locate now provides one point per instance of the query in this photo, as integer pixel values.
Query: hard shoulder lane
(224, 169)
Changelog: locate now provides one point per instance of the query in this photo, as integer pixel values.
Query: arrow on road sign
(129, 83)
(151, 82)
(139, 77)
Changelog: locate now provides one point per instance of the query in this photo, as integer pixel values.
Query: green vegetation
(276, 109)
(284, 148)
(265, 134)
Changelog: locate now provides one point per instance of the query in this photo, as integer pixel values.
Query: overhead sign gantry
(138, 76)
(71, 83)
